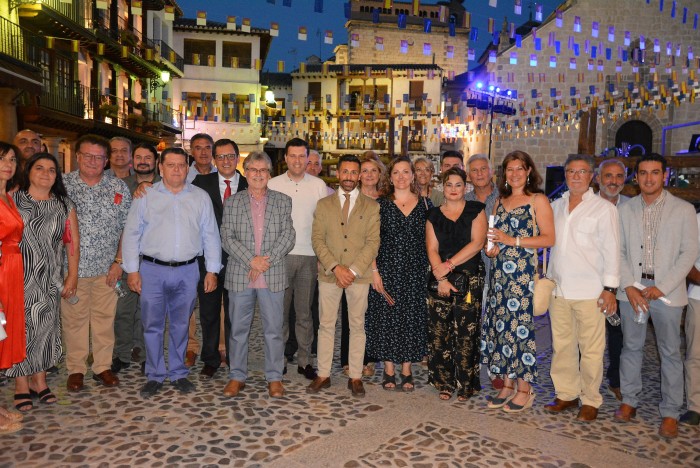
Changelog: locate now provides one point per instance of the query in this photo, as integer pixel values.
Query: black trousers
(210, 317)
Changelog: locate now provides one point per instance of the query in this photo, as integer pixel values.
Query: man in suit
(257, 233)
(345, 237)
(219, 185)
(658, 247)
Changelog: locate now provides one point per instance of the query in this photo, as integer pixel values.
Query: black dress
(398, 333)
(454, 324)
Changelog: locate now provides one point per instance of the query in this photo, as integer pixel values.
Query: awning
(15, 74)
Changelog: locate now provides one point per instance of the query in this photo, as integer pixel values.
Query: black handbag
(458, 279)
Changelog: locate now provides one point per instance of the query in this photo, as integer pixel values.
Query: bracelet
(450, 264)
(440, 280)
(517, 241)
(609, 289)
(374, 269)
(118, 260)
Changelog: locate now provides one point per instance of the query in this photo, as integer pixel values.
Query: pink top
(257, 212)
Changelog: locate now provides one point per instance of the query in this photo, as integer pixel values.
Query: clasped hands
(258, 265)
(344, 277)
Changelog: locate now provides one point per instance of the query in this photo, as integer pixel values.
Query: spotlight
(479, 85)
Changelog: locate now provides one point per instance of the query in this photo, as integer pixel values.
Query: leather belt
(169, 264)
(649, 276)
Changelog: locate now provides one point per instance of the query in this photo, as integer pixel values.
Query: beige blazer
(354, 246)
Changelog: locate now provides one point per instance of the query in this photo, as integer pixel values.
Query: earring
(528, 180)
(506, 184)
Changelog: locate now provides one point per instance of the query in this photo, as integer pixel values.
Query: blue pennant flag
(427, 25)
(318, 6)
(473, 34)
(348, 9)
(401, 19)
(453, 29)
(375, 15)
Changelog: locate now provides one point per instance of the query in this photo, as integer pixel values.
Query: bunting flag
(415, 7)
(427, 48)
(101, 4)
(302, 33)
(328, 38)
(467, 20)
(125, 51)
(302, 67)
(49, 42)
(201, 18)
(274, 29)
(231, 23)
(491, 24)
(258, 64)
(388, 3)
(518, 7)
(354, 40)
(401, 20)
(318, 6)
(375, 15)
(136, 7)
(245, 25)
(427, 25)
(450, 52)
(280, 66)
(75, 46)
(403, 46)
(100, 49)
(379, 43)
(169, 13)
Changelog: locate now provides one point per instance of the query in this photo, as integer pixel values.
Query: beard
(141, 171)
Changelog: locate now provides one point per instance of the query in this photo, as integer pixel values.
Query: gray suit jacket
(675, 252)
(238, 240)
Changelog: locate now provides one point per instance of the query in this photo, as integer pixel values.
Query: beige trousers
(329, 301)
(91, 320)
(577, 326)
(192, 342)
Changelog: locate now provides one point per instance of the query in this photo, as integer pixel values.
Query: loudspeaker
(553, 179)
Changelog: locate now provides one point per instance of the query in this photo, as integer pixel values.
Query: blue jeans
(241, 311)
(667, 327)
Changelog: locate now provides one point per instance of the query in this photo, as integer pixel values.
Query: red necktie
(227, 192)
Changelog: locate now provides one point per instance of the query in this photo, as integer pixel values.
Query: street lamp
(486, 100)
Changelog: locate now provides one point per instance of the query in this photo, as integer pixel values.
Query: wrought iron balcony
(77, 11)
(170, 55)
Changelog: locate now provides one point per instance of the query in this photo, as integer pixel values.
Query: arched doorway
(635, 132)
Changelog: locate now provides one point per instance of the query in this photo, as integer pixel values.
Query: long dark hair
(4, 149)
(414, 185)
(534, 179)
(58, 189)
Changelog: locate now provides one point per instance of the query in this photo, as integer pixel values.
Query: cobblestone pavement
(115, 427)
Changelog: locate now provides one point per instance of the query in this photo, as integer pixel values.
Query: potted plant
(109, 110)
(135, 121)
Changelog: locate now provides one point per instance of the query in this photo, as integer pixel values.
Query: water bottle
(71, 300)
(641, 316)
(119, 289)
(612, 319)
(3, 322)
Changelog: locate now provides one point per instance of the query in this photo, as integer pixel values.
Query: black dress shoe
(183, 385)
(690, 418)
(208, 371)
(309, 372)
(118, 364)
(151, 388)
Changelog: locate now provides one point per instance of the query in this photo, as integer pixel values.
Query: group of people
(443, 274)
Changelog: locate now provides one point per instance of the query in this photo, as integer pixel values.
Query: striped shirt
(650, 222)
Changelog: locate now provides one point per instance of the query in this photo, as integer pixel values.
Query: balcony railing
(77, 11)
(12, 40)
(169, 54)
(68, 98)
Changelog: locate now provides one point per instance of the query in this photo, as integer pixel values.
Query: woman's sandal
(388, 382)
(407, 380)
(496, 402)
(45, 396)
(511, 407)
(445, 395)
(25, 405)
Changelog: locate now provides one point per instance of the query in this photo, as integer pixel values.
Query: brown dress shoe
(106, 378)
(557, 406)
(587, 413)
(318, 383)
(625, 412)
(190, 358)
(355, 386)
(233, 387)
(275, 389)
(669, 428)
(75, 382)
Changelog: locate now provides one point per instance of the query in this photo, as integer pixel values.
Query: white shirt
(222, 184)
(193, 172)
(305, 194)
(694, 289)
(586, 255)
(353, 198)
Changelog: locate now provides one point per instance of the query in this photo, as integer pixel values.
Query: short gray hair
(607, 162)
(423, 159)
(123, 140)
(579, 157)
(256, 156)
(313, 151)
(477, 157)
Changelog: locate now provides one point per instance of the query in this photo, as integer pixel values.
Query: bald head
(28, 142)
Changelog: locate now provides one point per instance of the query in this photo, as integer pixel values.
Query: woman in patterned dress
(508, 337)
(396, 314)
(44, 206)
(455, 235)
(12, 347)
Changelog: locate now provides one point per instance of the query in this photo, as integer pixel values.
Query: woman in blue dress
(523, 223)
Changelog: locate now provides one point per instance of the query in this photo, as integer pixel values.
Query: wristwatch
(609, 289)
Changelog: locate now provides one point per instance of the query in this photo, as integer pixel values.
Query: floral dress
(508, 333)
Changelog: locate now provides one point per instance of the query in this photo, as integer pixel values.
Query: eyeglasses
(230, 157)
(92, 157)
(254, 171)
(120, 151)
(579, 172)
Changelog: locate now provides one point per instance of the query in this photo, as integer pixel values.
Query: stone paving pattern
(115, 427)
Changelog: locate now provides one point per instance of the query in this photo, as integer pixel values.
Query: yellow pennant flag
(75, 46)
(280, 66)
